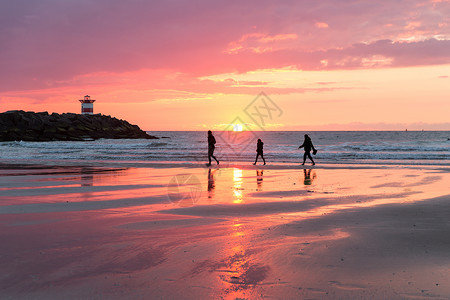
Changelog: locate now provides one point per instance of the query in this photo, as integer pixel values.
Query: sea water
(334, 147)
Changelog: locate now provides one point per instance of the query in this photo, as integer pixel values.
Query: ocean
(334, 147)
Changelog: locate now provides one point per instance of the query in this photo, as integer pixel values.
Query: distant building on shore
(87, 105)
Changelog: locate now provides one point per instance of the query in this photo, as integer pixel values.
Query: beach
(183, 231)
(234, 150)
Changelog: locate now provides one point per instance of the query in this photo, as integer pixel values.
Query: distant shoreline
(363, 130)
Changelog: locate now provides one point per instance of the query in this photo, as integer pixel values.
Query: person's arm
(301, 146)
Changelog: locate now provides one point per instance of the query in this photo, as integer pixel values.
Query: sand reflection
(87, 178)
(259, 179)
(211, 183)
(237, 185)
(309, 176)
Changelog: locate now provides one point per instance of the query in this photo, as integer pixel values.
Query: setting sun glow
(364, 66)
(237, 127)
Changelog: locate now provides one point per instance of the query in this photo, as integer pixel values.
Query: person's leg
(256, 159)
(212, 154)
(310, 157)
(304, 158)
(262, 156)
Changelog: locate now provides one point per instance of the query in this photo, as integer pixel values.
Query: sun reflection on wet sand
(240, 270)
(237, 186)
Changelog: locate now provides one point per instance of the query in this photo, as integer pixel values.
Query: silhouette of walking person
(211, 147)
(259, 151)
(308, 145)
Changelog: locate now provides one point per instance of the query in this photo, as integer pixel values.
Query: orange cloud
(321, 25)
(413, 25)
(260, 43)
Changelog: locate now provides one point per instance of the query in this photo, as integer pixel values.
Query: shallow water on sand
(230, 232)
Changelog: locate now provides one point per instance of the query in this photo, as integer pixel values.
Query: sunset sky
(196, 65)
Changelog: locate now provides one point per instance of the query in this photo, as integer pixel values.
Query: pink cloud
(46, 44)
(260, 43)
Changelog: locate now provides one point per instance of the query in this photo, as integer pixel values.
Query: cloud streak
(152, 85)
(46, 42)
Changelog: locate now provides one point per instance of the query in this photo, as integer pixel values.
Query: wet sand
(234, 232)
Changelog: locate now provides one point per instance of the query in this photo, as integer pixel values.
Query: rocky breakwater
(19, 125)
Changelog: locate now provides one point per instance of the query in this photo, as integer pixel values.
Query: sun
(237, 127)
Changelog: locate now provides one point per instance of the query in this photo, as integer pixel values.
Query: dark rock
(30, 126)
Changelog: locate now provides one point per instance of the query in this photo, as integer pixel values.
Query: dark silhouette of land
(19, 125)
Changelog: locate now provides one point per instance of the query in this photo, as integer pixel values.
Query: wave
(282, 147)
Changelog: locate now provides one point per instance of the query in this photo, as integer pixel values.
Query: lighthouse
(87, 105)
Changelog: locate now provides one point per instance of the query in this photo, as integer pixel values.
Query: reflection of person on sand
(211, 183)
(211, 147)
(259, 151)
(259, 179)
(87, 177)
(308, 145)
(308, 180)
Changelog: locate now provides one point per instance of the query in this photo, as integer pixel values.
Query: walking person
(308, 145)
(259, 151)
(211, 147)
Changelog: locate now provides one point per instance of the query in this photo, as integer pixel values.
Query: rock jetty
(19, 125)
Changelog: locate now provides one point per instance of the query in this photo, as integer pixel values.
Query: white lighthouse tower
(87, 105)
